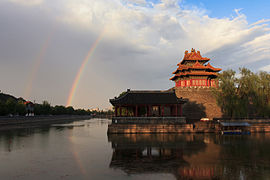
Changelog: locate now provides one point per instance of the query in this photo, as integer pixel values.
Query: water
(82, 150)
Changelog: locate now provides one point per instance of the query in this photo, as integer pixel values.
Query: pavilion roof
(193, 56)
(211, 67)
(197, 65)
(193, 73)
(147, 97)
(28, 102)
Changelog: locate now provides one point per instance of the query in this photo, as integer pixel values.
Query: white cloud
(27, 2)
(136, 2)
(147, 26)
(262, 21)
(265, 68)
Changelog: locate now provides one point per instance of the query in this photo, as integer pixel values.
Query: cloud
(265, 68)
(27, 2)
(262, 21)
(142, 43)
(136, 2)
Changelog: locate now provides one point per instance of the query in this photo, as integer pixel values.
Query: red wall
(196, 83)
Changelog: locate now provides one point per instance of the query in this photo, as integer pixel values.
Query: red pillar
(150, 112)
(180, 110)
(176, 110)
(115, 111)
(120, 109)
(136, 111)
(133, 109)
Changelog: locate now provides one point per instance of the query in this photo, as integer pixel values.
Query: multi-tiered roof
(193, 68)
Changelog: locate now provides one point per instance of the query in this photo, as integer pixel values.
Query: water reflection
(191, 156)
(163, 153)
(83, 150)
(11, 140)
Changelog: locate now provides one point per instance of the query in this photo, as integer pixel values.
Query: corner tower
(194, 79)
(193, 72)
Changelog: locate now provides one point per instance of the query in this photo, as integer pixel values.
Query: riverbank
(256, 126)
(18, 122)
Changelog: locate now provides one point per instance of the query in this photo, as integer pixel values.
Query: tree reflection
(20, 138)
(245, 157)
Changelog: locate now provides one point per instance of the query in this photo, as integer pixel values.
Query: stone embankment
(199, 127)
(18, 122)
(258, 126)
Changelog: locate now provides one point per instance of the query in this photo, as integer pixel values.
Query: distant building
(29, 106)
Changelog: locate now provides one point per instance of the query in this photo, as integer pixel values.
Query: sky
(84, 52)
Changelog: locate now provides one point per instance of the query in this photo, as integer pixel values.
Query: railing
(149, 120)
(248, 120)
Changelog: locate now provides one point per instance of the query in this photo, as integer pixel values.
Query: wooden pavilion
(149, 104)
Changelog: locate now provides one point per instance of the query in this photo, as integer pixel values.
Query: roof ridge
(150, 91)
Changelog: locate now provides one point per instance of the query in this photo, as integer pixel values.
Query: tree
(246, 96)
(20, 108)
(11, 106)
(226, 93)
(3, 109)
(70, 110)
(59, 110)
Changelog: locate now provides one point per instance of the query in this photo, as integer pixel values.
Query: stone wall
(149, 128)
(198, 127)
(201, 103)
(18, 122)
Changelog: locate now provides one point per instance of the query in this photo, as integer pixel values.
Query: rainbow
(80, 72)
(75, 154)
(36, 65)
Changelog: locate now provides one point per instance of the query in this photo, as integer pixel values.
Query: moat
(83, 150)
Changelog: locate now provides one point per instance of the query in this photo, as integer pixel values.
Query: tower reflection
(186, 156)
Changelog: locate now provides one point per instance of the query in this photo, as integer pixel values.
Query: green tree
(43, 109)
(246, 96)
(20, 108)
(59, 110)
(3, 109)
(11, 106)
(70, 110)
(226, 93)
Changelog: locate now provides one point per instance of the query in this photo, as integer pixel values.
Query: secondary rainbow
(36, 64)
(81, 70)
